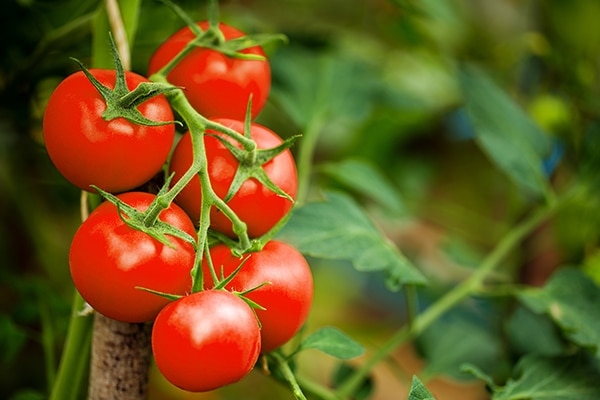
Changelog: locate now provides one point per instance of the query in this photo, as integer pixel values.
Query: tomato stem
(287, 373)
(197, 125)
(465, 289)
(306, 154)
(72, 370)
(247, 143)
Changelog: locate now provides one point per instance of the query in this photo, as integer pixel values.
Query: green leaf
(503, 130)
(310, 85)
(543, 378)
(418, 391)
(334, 342)
(366, 179)
(547, 340)
(337, 228)
(12, 339)
(444, 347)
(571, 299)
(27, 394)
(344, 371)
(479, 374)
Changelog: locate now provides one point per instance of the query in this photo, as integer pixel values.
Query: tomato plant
(110, 261)
(206, 340)
(408, 155)
(257, 205)
(287, 292)
(216, 84)
(113, 154)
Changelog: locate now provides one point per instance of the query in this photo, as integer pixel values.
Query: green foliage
(372, 89)
(332, 341)
(547, 341)
(314, 85)
(571, 299)
(444, 346)
(28, 395)
(337, 228)
(343, 371)
(12, 338)
(558, 378)
(418, 391)
(366, 180)
(505, 133)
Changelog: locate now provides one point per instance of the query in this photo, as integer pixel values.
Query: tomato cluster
(136, 259)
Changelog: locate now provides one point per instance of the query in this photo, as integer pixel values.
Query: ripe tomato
(206, 340)
(108, 259)
(115, 155)
(216, 85)
(287, 298)
(259, 207)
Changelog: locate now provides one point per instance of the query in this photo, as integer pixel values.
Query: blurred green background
(377, 78)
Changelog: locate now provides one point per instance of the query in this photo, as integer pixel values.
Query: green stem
(412, 303)
(318, 390)
(452, 298)
(177, 59)
(197, 125)
(308, 144)
(288, 375)
(247, 143)
(76, 354)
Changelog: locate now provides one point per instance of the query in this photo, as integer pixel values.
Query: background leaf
(365, 179)
(418, 391)
(337, 228)
(12, 338)
(547, 339)
(444, 347)
(312, 84)
(571, 299)
(542, 378)
(505, 132)
(343, 372)
(334, 342)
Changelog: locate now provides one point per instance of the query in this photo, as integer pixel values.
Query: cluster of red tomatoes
(201, 339)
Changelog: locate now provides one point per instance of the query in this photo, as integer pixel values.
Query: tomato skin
(206, 340)
(259, 207)
(216, 85)
(115, 155)
(108, 259)
(287, 298)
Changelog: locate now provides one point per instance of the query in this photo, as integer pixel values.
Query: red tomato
(108, 259)
(287, 298)
(216, 85)
(115, 155)
(206, 340)
(259, 207)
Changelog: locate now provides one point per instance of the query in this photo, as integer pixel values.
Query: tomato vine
(238, 268)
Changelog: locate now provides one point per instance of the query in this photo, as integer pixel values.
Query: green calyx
(212, 38)
(222, 281)
(233, 48)
(251, 166)
(120, 101)
(147, 221)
